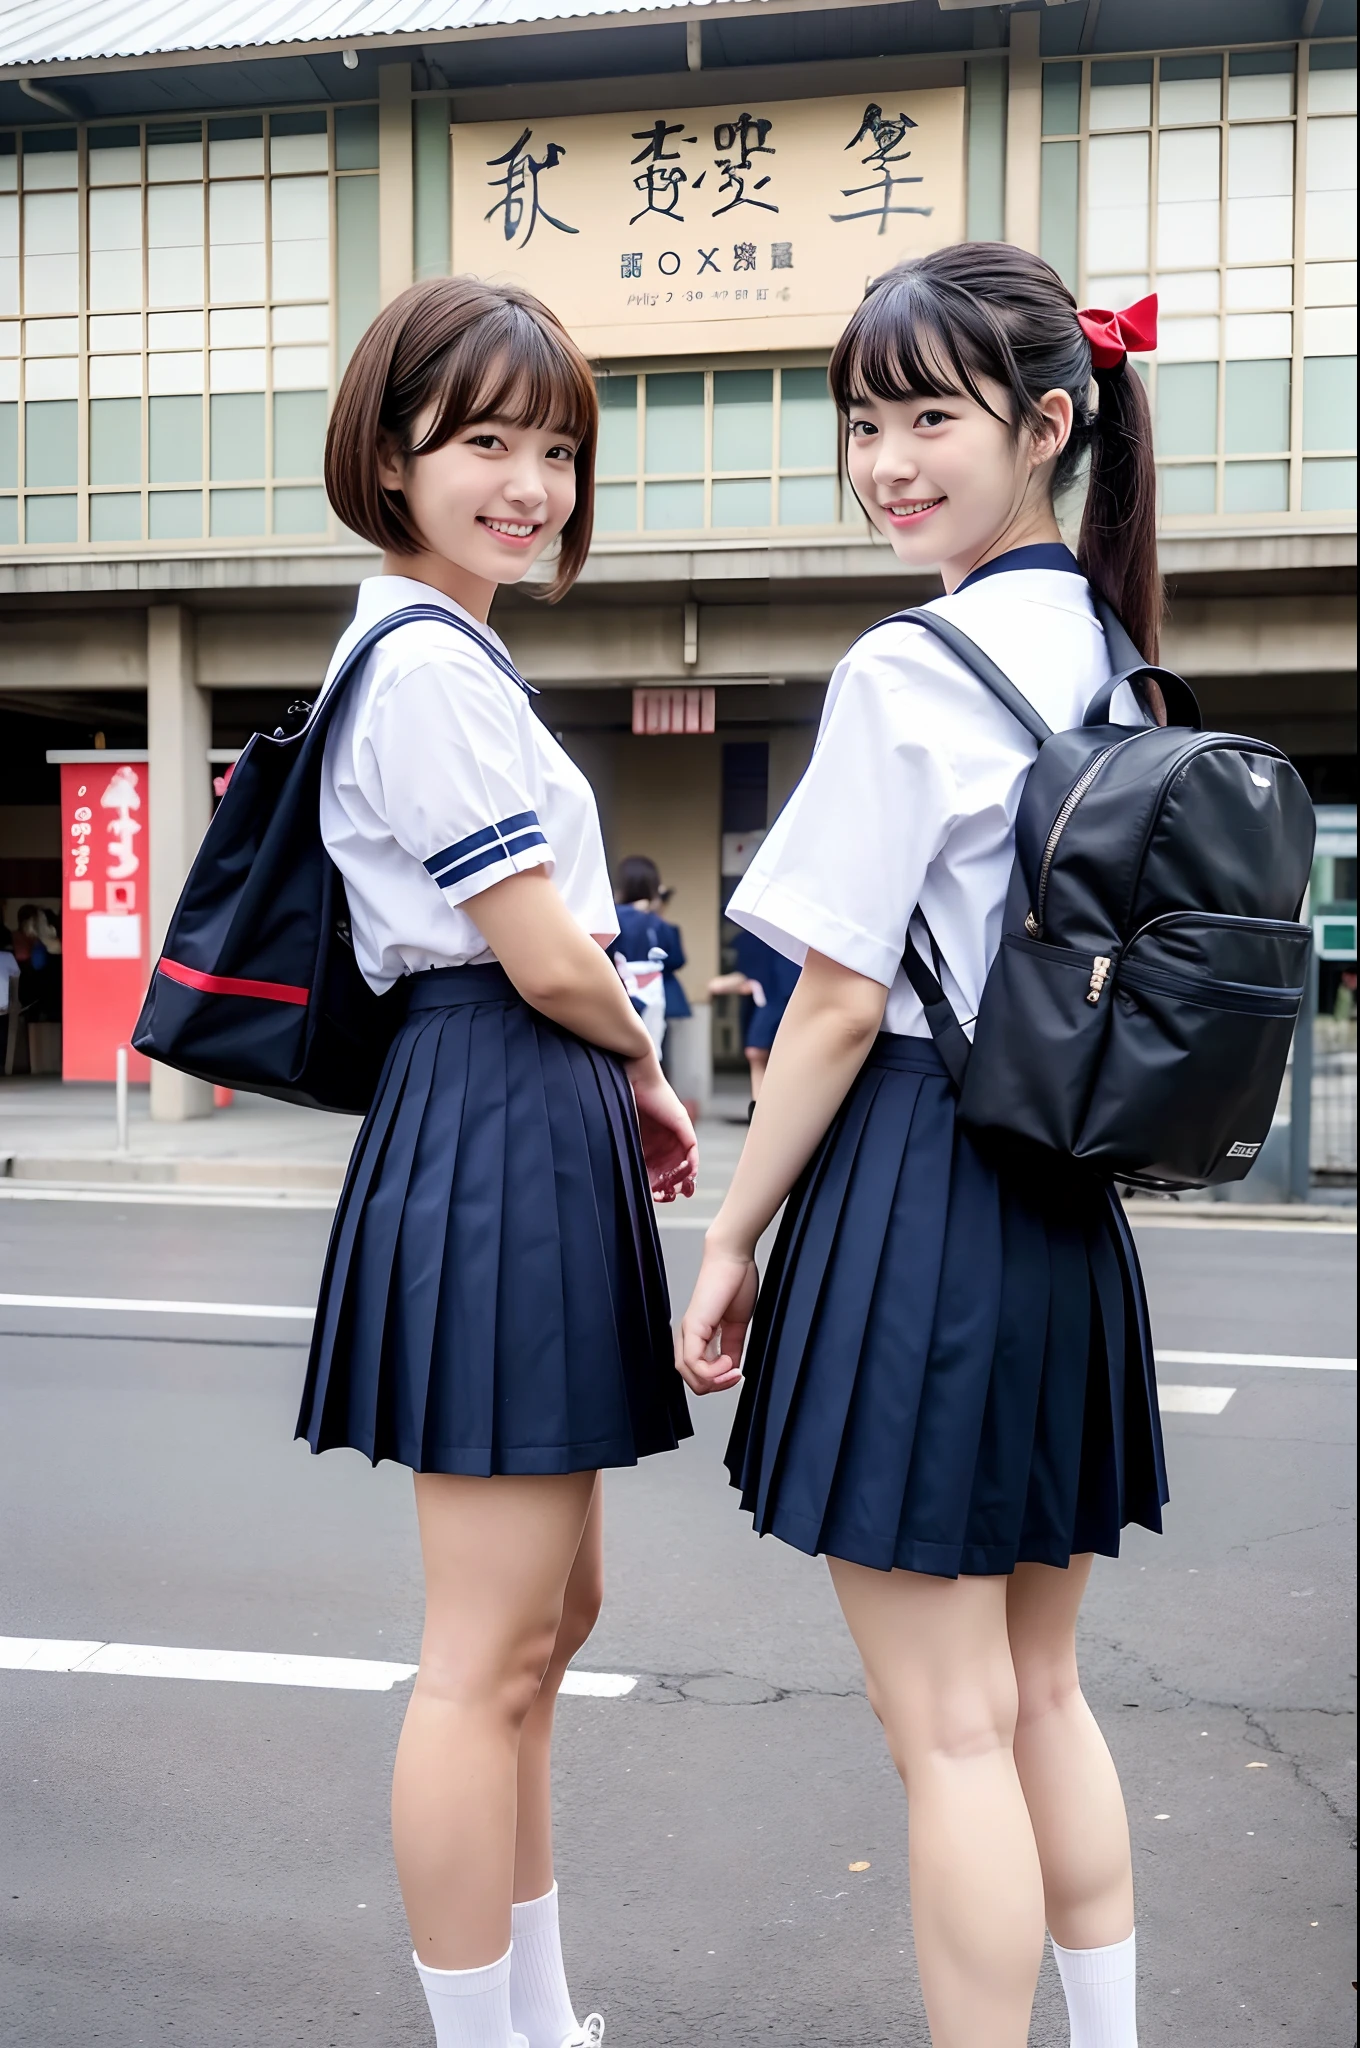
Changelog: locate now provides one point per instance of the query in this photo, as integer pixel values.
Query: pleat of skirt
(950, 1366)
(494, 1299)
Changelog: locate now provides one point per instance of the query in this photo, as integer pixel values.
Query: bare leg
(580, 1611)
(939, 1673)
(757, 1059)
(498, 1554)
(1071, 1785)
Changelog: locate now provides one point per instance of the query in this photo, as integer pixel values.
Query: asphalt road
(207, 1864)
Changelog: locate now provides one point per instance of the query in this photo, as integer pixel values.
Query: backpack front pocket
(1045, 1011)
(1202, 1011)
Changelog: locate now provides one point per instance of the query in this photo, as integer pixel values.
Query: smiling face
(947, 482)
(487, 503)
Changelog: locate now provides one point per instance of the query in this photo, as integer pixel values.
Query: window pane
(300, 223)
(1260, 83)
(1062, 99)
(116, 219)
(115, 279)
(1188, 341)
(176, 515)
(673, 505)
(1117, 202)
(236, 436)
(299, 323)
(50, 519)
(1329, 486)
(1261, 194)
(1120, 106)
(1329, 402)
(675, 424)
(742, 503)
(1270, 287)
(298, 152)
(807, 501)
(9, 519)
(176, 442)
(115, 156)
(115, 376)
(807, 421)
(50, 431)
(299, 432)
(1188, 490)
(1187, 409)
(616, 508)
(1190, 99)
(236, 227)
(1256, 408)
(116, 515)
(1192, 291)
(743, 420)
(618, 426)
(1058, 208)
(174, 152)
(1256, 487)
(1331, 79)
(175, 276)
(9, 444)
(232, 513)
(300, 511)
(1188, 184)
(356, 138)
(116, 441)
(301, 369)
(356, 264)
(236, 147)
(1329, 330)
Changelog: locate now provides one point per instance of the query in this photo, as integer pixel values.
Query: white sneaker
(590, 2033)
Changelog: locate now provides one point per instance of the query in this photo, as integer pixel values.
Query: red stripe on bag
(228, 985)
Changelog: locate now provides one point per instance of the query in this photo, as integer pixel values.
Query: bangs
(903, 344)
(510, 367)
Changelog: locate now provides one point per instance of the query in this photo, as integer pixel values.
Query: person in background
(9, 968)
(639, 898)
(764, 980)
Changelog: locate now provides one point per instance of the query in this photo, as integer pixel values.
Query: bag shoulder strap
(951, 1040)
(979, 664)
(410, 613)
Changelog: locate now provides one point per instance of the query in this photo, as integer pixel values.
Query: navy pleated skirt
(950, 1366)
(494, 1298)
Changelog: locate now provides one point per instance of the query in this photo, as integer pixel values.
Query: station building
(193, 233)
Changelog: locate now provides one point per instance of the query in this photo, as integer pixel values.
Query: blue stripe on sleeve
(455, 855)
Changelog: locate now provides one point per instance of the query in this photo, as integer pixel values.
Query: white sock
(540, 2003)
(470, 2008)
(1100, 1988)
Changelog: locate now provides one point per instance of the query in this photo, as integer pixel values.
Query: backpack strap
(981, 665)
(321, 716)
(951, 1040)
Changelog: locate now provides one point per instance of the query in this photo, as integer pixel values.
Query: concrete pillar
(178, 735)
(1024, 112)
(396, 185)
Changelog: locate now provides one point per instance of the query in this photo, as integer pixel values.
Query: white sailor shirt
(911, 795)
(438, 781)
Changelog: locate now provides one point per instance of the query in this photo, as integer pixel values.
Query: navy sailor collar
(1044, 554)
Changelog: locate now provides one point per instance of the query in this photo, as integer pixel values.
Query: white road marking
(1194, 1400)
(169, 1196)
(103, 1304)
(248, 1667)
(1277, 1360)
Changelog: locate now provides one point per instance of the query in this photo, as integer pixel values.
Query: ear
(391, 464)
(1050, 438)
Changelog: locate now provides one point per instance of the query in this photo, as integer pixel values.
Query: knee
(1046, 1686)
(500, 1681)
(952, 1725)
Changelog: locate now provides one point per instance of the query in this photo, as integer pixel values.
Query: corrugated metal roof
(57, 31)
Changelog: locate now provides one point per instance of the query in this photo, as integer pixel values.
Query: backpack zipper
(1034, 919)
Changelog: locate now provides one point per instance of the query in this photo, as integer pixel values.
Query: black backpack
(1139, 1011)
(257, 986)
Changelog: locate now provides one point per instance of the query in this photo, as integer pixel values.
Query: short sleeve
(445, 740)
(841, 870)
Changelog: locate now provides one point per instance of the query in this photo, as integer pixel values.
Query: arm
(832, 1020)
(562, 973)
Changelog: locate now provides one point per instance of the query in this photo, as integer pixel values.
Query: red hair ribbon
(1113, 335)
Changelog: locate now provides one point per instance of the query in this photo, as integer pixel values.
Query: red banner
(106, 898)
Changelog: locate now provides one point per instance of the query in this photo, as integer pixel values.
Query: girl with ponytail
(948, 1391)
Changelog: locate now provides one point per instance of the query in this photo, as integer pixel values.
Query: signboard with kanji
(105, 936)
(754, 225)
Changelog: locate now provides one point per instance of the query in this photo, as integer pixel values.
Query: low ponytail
(1118, 545)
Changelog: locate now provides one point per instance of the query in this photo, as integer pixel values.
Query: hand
(713, 1330)
(669, 1145)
